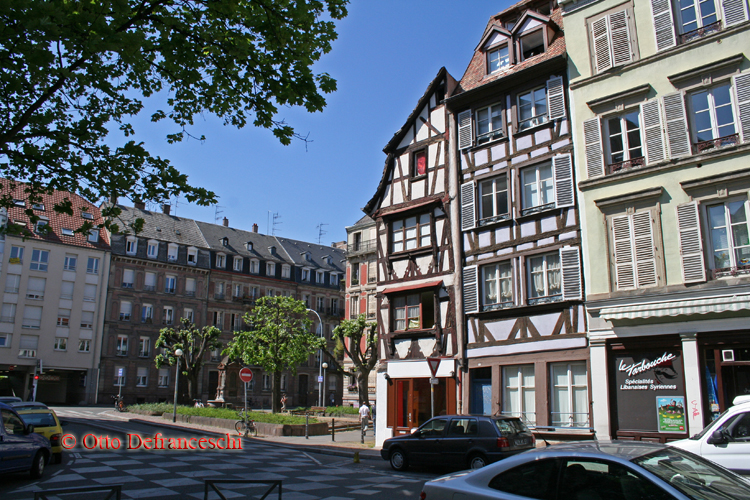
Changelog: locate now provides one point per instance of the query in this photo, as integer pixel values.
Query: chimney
(139, 204)
(226, 222)
(255, 228)
(166, 208)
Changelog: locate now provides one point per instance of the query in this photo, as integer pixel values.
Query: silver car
(594, 470)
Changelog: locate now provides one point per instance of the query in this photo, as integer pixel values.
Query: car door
(734, 454)
(16, 449)
(425, 448)
(460, 438)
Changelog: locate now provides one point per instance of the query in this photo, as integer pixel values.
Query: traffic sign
(320, 379)
(246, 374)
(433, 364)
(434, 380)
(119, 372)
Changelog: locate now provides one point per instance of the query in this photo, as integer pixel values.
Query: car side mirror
(29, 430)
(717, 437)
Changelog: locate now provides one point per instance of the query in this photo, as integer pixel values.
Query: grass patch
(268, 418)
(337, 411)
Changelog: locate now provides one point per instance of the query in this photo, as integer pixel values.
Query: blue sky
(386, 54)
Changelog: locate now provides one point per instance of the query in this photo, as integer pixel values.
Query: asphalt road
(107, 451)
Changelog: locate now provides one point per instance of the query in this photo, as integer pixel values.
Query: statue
(222, 379)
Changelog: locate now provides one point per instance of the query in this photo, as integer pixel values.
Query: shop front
(725, 358)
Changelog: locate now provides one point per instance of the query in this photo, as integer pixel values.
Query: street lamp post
(177, 353)
(325, 367)
(320, 354)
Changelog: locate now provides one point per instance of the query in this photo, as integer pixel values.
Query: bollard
(333, 429)
(307, 422)
(356, 457)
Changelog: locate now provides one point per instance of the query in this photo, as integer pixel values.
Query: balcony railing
(362, 246)
(149, 288)
(700, 32)
(726, 272)
(721, 142)
(169, 290)
(190, 293)
(627, 165)
(127, 285)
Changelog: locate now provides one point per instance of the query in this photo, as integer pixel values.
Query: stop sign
(246, 374)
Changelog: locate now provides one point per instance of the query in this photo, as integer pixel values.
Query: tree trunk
(276, 392)
(192, 381)
(363, 387)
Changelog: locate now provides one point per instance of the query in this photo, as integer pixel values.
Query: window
(84, 345)
(254, 266)
(61, 344)
(188, 314)
(168, 315)
(694, 14)
(633, 251)
(536, 479)
(334, 279)
(320, 277)
(321, 304)
(192, 256)
(238, 264)
(611, 39)
(270, 292)
(493, 195)
(532, 108)
(35, 288)
(270, 269)
(41, 226)
(221, 260)
(89, 293)
(131, 245)
(66, 290)
(144, 347)
(92, 267)
(87, 320)
(190, 287)
(570, 395)
(125, 309)
(624, 133)
(70, 262)
(147, 313)
(711, 114)
(334, 307)
(163, 377)
(353, 307)
(152, 250)
(39, 260)
(141, 379)
(286, 271)
(12, 283)
(16, 255)
(219, 294)
(519, 393)
(498, 58)
(489, 123)
(410, 233)
(63, 317)
(93, 235)
(532, 44)
(32, 317)
(497, 286)
(121, 348)
(67, 232)
(87, 215)
(119, 376)
(538, 189)
(238, 288)
(414, 312)
(4, 340)
(544, 278)
(149, 282)
(729, 230)
(172, 252)
(305, 275)
(419, 163)
(218, 319)
(128, 277)
(28, 347)
(170, 283)
(8, 314)
(254, 292)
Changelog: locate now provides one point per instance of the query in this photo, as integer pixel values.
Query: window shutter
(652, 131)
(571, 273)
(678, 138)
(555, 98)
(663, 24)
(645, 259)
(602, 57)
(733, 12)
(562, 169)
(468, 212)
(742, 94)
(618, 28)
(691, 244)
(471, 290)
(623, 248)
(464, 129)
(593, 139)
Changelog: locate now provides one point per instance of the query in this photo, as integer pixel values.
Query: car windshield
(511, 426)
(709, 427)
(39, 419)
(695, 477)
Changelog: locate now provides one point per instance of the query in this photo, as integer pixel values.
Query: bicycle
(198, 403)
(244, 426)
(119, 403)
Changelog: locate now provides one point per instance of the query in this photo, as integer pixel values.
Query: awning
(415, 286)
(677, 308)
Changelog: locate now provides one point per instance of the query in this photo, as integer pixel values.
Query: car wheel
(37, 466)
(398, 460)
(477, 461)
(57, 458)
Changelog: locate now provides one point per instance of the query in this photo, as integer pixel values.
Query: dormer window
(286, 271)
(152, 251)
(41, 226)
(19, 203)
(532, 44)
(172, 251)
(498, 58)
(131, 245)
(221, 260)
(87, 215)
(249, 246)
(254, 266)
(497, 48)
(225, 241)
(532, 35)
(270, 269)
(272, 250)
(308, 256)
(238, 264)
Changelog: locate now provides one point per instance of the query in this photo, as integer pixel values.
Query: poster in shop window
(671, 413)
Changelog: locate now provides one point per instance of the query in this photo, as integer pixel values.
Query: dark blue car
(20, 448)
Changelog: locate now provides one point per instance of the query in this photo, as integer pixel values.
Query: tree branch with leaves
(358, 340)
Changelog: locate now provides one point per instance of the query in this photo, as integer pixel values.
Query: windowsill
(489, 138)
(546, 123)
(544, 300)
(497, 307)
(492, 221)
(419, 177)
(531, 211)
(408, 253)
(414, 333)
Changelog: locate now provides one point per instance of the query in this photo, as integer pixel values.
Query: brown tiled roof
(57, 221)
(475, 73)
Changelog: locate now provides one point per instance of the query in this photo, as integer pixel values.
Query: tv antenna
(321, 231)
(217, 212)
(275, 223)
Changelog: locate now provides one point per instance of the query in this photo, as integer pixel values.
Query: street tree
(74, 72)
(194, 342)
(358, 340)
(278, 339)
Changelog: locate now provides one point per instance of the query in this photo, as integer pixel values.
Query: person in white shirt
(364, 416)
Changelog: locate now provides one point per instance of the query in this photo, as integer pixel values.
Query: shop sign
(671, 413)
(646, 383)
(50, 378)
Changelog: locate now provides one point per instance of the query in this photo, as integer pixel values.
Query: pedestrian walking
(364, 416)
(372, 414)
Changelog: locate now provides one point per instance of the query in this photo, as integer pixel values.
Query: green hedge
(268, 418)
(336, 411)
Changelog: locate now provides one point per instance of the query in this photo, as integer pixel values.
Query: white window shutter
(652, 131)
(602, 51)
(468, 211)
(645, 256)
(663, 24)
(465, 138)
(471, 289)
(691, 243)
(555, 98)
(741, 85)
(733, 12)
(571, 273)
(678, 137)
(623, 249)
(562, 169)
(594, 155)
(618, 28)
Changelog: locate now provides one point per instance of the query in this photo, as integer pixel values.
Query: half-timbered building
(525, 341)
(416, 296)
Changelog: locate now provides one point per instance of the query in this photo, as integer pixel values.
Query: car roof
(625, 450)
(10, 399)
(27, 410)
(27, 405)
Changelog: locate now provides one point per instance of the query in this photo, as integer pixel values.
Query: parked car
(25, 405)
(595, 470)
(461, 440)
(726, 440)
(21, 449)
(10, 399)
(47, 424)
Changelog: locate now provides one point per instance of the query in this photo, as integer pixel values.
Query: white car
(726, 440)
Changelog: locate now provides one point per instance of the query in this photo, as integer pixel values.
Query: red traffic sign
(246, 375)
(433, 364)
